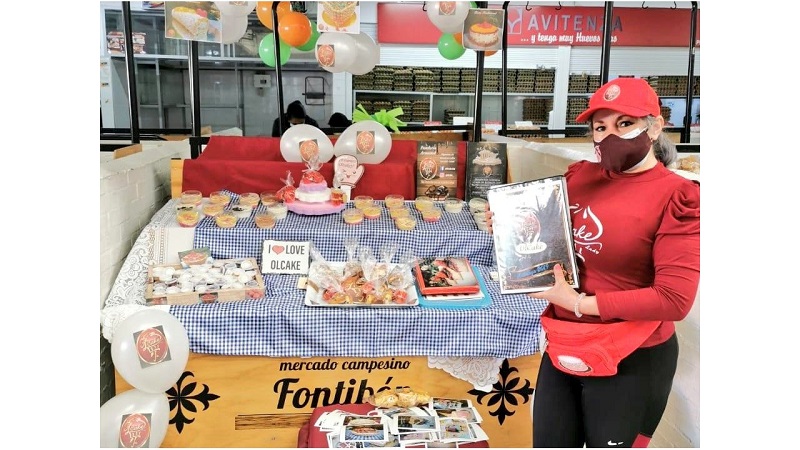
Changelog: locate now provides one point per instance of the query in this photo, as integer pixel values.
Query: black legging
(570, 411)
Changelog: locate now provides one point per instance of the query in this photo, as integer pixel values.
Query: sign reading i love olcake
(285, 257)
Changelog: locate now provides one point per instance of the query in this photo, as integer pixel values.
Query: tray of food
(332, 284)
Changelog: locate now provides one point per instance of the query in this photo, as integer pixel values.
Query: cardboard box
(210, 295)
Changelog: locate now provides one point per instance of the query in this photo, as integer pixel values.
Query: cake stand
(314, 209)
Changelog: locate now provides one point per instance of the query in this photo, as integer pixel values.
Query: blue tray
(475, 303)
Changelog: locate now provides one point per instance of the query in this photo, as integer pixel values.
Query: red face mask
(620, 153)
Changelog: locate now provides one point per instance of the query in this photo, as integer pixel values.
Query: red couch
(255, 164)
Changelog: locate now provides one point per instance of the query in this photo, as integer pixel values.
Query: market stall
(258, 368)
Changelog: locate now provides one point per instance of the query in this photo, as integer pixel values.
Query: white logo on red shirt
(587, 229)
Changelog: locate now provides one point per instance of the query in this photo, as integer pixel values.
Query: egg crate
(593, 84)
(578, 84)
(213, 293)
(666, 112)
(378, 105)
(405, 104)
(428, 87)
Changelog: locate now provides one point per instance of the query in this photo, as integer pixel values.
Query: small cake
(394, 201)
(432, 215)
(453, 205)
(219, 197)
(268, 198)
(353, 216)
(396, 213)
(191, 197)
(278, 210)
(265, 220)
(372, 212)
(250, 199)
(477, 204)
(362, 201)
(226, 219)
(405, 223)
(422, 203)
(213, 209)
(188, 217)
(484, 34)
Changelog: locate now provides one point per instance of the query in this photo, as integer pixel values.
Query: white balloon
(296, 137)
(368, 54)
(335, 52)
(233, 28)
(369, 141)
(448, 16)
(236, 8)
(150, 350)
(132, 418)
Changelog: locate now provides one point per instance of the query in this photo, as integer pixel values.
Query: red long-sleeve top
(637, 238)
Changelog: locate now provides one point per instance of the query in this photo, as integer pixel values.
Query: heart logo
(278, 249)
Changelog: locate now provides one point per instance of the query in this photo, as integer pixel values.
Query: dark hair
(339, 120)
(295, 110)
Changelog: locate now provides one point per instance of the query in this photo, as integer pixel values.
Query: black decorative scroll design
(182, 398)
(504, 393)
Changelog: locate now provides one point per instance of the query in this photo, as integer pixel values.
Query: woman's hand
(561, 294)
(489, 220)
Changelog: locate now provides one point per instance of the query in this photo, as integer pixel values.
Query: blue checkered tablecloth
(452, 235)
(280, 325)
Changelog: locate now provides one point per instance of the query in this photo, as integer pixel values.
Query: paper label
(285, 257)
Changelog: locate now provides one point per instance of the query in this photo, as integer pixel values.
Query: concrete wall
(132, 189)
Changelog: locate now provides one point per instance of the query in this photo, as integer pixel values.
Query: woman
(636, 227)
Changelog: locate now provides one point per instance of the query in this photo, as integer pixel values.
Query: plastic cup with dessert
(191, 197)
(241, 211)
(338, 197)
(477, 204)
(188, 217)
(352, 216)
(432, 214)
(453, 205)
(213, 209)
(405, 223)
(423, 202)
(226, 219)
(394, 200)
(250, 199)
(219, 197)
(396, 213)
(362, 201)
(265, 219)
(279, 210)
(372, 212)
(269, 198)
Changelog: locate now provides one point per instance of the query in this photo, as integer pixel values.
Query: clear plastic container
(226, 219)
(453, 205)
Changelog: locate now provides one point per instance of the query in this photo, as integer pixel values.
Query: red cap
(631, 96)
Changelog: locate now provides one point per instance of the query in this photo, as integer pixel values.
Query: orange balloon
(264, 12)
(294, 28)
(489, 53)
(457, 37)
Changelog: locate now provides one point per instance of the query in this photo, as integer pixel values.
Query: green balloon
(312, 41)
(266, 50)
(449, 48)
(473, 5)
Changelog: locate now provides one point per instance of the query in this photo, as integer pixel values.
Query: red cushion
(255, 164)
